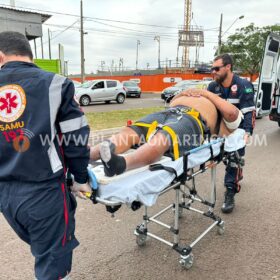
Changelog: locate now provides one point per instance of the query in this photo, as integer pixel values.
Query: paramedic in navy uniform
(36, 108)
(240, 93)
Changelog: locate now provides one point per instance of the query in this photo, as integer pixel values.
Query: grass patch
(104, 120)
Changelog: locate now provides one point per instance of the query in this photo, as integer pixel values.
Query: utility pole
(42, 48)
(66, 68)
(187, 26)
(35, 48)
(49, 39)
(137, 44)
(157, 38)
(102, 65)
(177, 57)
(220, 36)
(82, 46)
(121, 64)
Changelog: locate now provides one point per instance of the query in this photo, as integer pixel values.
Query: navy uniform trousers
(42, 215)
(234, 174)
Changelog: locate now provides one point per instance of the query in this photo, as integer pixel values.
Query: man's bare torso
(205, 107)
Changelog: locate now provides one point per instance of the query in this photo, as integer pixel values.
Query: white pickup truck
(268, 94)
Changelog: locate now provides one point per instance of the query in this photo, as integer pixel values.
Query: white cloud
(105, 46)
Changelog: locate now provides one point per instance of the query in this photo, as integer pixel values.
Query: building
(25, 22)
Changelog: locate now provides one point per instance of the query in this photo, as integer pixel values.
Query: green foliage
(246, 47)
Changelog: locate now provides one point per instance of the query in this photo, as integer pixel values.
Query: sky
(112, 34)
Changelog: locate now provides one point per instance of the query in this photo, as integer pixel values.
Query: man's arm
(247, 107)
(229, 112)
(75, 130)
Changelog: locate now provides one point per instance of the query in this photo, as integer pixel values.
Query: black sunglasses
(217, 68)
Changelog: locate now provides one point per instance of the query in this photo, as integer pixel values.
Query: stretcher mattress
(145, 186)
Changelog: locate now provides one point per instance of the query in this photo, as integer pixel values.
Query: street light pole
(137, 44)
(82, 46)
(220, 35)
(241, 17)
(220, 31)
(49, 39)
(157, 38)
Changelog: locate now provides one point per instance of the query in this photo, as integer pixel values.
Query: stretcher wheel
(141, 240)
(221, 228)
(187, 262)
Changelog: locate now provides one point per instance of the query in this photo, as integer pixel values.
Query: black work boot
(229, 201)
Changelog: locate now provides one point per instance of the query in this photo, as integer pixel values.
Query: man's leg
(144, 155)
(47, 214)
(53, 233)
(121, 141)
(232, 178)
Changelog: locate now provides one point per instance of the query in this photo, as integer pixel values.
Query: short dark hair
(15, 43)
(226, 58)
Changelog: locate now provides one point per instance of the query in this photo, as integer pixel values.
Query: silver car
(100, 91)
(132, 89)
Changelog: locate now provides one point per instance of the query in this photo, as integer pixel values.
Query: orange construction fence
(157, 82)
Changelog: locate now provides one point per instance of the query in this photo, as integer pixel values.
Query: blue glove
(92, 179)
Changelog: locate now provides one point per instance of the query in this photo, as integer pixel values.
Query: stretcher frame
(185, 196)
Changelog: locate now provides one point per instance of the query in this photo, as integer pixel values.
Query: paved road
(146, 100)
(249, 249)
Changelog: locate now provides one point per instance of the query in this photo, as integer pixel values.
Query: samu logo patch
(12, 103)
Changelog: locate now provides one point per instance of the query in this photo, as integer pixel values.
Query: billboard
(191, 38)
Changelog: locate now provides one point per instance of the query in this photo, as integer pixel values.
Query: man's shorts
(187, 129)
(42, 214)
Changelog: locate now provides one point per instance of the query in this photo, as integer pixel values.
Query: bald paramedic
(37, 113)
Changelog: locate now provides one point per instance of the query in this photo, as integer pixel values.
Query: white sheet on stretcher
(144, 185)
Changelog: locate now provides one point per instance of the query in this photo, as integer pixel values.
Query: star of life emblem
(234, 88)
(12, 103)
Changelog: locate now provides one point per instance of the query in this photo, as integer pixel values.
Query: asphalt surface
(146, 100)
(249, 248)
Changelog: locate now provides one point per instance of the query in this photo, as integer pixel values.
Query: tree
(246, 47)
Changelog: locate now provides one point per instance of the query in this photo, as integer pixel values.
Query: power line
(101, 19)
(114, 33)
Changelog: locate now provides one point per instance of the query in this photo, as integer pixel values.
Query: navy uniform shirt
(241, 94)
(42, 129)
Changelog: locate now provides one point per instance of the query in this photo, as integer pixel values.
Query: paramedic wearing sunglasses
(36, 105)
(240, 93)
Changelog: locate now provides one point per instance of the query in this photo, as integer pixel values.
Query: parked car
(132, 89)
(197, 84)
(76, 84)
(100, 90)
(168, 93)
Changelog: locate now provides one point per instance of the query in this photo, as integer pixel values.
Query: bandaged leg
(146, 154)
(149, 152)
(123, 141)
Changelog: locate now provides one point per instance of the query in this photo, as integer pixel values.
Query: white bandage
(235, 124)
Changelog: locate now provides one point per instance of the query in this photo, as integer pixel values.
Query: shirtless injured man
(193, 116)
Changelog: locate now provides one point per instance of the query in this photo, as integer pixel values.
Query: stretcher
(143, 186)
